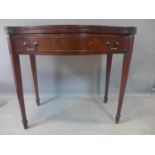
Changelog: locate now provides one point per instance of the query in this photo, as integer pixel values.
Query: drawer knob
(28, 48)
(25, 43)
(107, 43)
(35, 43)
(117, 44)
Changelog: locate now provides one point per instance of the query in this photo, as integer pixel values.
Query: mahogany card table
(70, 40)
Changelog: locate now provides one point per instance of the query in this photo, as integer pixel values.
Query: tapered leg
(19, 88)
(108, 71)
(124, 77)
(34, 74)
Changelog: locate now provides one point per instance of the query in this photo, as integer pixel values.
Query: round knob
(35, 43)
(117, 43)
(24, 43)
(107, 43)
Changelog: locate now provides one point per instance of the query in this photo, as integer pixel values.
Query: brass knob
(107, 43)
(35, 43)
(29, 48)
(25, 43)
(117, 44)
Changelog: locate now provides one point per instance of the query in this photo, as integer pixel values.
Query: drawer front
(70, 43)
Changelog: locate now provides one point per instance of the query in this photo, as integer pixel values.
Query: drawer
(69, 43)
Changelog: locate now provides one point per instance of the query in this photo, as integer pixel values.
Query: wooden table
(69, 40)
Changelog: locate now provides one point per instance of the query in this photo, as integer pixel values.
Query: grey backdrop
(79, 76)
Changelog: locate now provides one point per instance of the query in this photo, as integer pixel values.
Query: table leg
(34, 75)
(124, 77)
(108, 72)
(19, 88)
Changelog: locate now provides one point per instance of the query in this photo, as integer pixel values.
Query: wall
(79, 76)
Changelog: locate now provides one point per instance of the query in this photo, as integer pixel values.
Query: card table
(69, 40)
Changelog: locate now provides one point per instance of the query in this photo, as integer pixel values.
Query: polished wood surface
(18, 81)
(34, 75)
(71, 29)
(70, 44)
(124, 77)
(108, 72)
(70, 40)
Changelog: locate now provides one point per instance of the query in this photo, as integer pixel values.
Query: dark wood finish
(124, 77)
(69, 44)
(18, 80)
(70, 40)
(108, 71)
(34, 75)
(71, 29)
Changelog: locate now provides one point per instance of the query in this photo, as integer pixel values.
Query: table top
(71, 29)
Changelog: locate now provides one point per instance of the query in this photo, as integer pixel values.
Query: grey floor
(80, 116)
